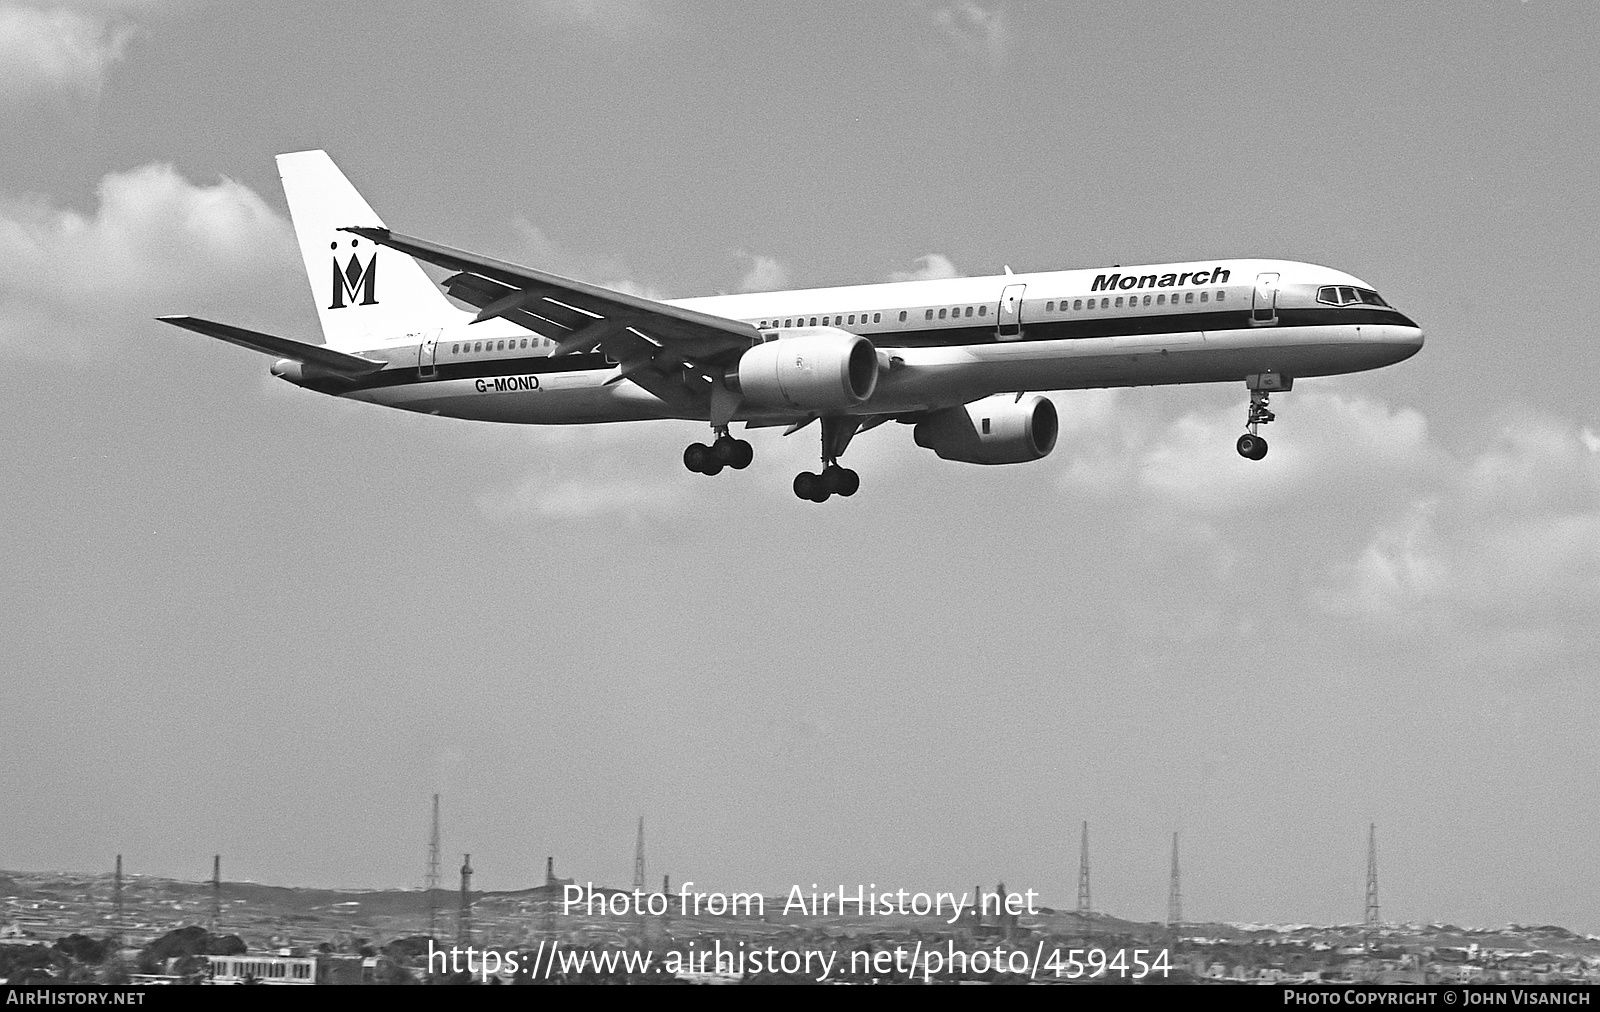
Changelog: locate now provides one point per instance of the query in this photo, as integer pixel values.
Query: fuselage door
(430, 345)
(1264, 312)
(1008, 318)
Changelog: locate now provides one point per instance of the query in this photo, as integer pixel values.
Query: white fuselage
(940, 343)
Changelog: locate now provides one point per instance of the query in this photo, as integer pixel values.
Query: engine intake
(820, 370)
(994, 430)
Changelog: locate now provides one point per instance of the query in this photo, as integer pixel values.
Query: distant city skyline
(248, 620)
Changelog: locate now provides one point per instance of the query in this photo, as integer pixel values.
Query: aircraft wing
(674, 353)
(283, 347)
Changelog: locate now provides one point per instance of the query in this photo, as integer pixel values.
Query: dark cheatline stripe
(1077, 328)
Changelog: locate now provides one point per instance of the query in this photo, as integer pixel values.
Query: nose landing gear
(1252, 445)
(724, 452)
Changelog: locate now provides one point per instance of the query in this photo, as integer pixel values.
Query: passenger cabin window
(902, 316)
(1221, 296)
(930, 314)
(1078, 303)
(1050, 307)
(878, 317)
(1204, 296)
(969, 310)
(983, 310)
(941, 314)
(852, 318)
(1119, 302)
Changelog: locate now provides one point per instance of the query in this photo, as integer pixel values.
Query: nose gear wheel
(1251, 445)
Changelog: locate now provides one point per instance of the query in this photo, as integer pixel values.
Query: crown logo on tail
(355, 282)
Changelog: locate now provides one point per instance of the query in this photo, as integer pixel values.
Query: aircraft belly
(930, 376)
(549, 399)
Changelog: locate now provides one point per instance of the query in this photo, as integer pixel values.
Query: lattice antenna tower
(430, 883)
(116, 900)
(638, 859)
(1372, 875)
(464, 914)
(1175, 891)
(1084, 906)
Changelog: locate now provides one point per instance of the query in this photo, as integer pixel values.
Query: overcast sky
(247, 619)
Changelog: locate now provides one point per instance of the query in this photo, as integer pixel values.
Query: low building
(316, 968)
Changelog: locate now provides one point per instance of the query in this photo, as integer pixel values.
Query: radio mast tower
(1175, 893)
(1083, 873)
(464, 915)
(117, 901)
(638, 859)
(1372, 876)
(430, 884)
(216, 891)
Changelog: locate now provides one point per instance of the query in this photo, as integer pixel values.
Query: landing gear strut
(724, 452)
(1251, 445)
(834, 480)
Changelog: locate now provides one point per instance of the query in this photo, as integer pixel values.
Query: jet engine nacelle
(995, 430)
(820, 371)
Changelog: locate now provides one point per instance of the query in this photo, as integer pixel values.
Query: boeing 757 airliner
(959, 359)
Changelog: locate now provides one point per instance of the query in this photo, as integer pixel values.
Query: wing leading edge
(677, 354)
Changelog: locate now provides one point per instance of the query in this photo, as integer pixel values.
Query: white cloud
(931, 267)
(613, 17)
(1384, 521)
(57, 53)
(575, 499)
(973, 28)
(766, 274)
(1400, 568)
(543, 252)
(156, 243)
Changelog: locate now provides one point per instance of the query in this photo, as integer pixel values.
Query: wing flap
(283, 347)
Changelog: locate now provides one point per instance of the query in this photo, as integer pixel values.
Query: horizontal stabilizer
(309, 354)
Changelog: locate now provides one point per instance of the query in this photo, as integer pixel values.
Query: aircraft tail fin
(365, 294)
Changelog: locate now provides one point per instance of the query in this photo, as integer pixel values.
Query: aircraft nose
(1406, 341)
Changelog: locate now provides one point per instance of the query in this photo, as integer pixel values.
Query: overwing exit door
(1008, 318)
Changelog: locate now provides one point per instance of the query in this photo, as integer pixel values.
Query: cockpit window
(1345, 296)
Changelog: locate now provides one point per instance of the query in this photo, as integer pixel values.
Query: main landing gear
(834, 480)
(724, 452)
(1252, 445)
